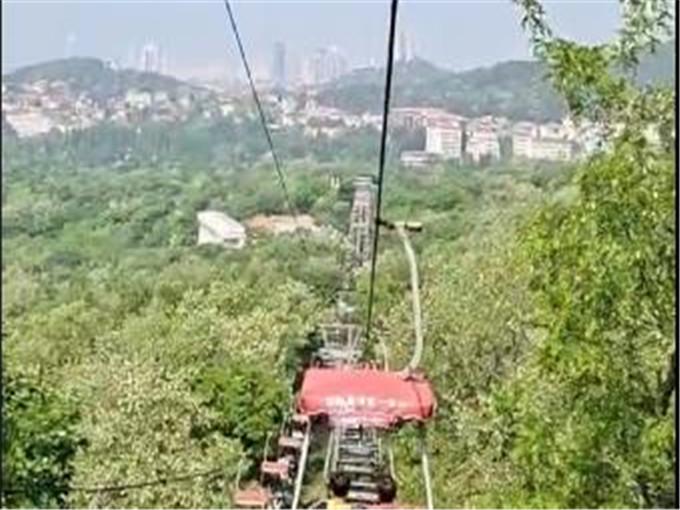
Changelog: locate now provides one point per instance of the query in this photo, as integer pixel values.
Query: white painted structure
(217, 228)
(417, 159)
(548, 142)
(552, 149)
(482, 143)
(444, 139)
(29, 123)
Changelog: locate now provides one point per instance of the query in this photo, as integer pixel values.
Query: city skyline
(445, 33)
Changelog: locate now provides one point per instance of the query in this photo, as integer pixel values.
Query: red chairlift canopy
(365, 396)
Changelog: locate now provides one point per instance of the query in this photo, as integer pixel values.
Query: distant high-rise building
(327, 64)
(151, 58)
(279, 66)
(404, 51)
(69, 45)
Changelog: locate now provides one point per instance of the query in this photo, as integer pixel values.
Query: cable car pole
(425, 461)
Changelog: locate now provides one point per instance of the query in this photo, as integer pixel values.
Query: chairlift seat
(363, 496)
(356, 469)
(277, 468)
(289, 442)
(255, 497)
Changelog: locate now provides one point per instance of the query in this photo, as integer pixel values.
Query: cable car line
(381, 167)
(258, 104)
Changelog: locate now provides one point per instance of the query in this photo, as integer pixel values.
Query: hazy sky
(457, 34)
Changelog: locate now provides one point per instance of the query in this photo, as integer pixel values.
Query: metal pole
(266, 452)
(301, 469)
(426, 470)
(329, 453)
(415, 297)
(390, 454)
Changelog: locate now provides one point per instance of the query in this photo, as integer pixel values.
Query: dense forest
(130, 354)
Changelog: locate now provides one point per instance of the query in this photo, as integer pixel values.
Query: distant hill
(97, 79)
(516, 89)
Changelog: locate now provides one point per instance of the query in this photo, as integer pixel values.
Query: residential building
(523, 134)
(482, 142)
(413, 118)
(548, 142)
(552, 149)
(217, 228)
(444, 139)
(483, 145)
(29, 123)
(417, 159)
(138, 98)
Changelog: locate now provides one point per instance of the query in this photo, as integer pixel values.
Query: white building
(553, 130)
(420, 117)
(417, 159)
(444, 139)
(138, 98)
(29, 123)
(523, 134)
(546, 142)
(482, 140)
(552, 149)
(217, 228)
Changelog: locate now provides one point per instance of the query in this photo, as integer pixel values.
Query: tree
(39, 443)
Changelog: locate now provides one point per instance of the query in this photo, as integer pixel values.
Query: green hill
(514, 89)
(511, 89)
(97, 79)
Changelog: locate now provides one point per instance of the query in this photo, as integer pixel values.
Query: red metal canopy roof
(365, 396)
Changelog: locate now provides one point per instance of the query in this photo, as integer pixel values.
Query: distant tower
(279, 66)
(403, 48)
(150, 60)
(70, 44)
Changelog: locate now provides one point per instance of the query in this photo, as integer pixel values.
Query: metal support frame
(301, 468)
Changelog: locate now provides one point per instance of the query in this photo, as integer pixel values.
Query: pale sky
(456, 34)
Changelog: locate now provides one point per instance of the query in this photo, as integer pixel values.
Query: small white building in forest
(217, 228)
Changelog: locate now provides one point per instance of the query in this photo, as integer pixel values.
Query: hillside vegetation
(132, 355)
(518, 90)
(97, 79)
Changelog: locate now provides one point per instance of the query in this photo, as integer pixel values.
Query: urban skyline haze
(196, 40)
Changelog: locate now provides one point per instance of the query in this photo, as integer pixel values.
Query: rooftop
(219, 222)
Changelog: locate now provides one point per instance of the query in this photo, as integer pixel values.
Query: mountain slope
(514, 89)
(96, 79)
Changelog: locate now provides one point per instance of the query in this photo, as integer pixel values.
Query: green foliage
(96, 78)
(550, 324)
(39, 443)
(250, 402)
(548, 297)
(609, 322)
(144, 423)
(517, 90)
